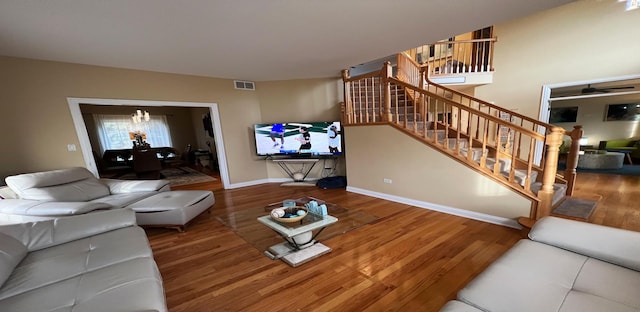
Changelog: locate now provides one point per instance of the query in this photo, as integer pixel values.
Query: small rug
(245, 224)
(626, 170)
(576, 208)
(177, 176)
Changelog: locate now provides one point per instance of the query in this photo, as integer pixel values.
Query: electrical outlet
(388, 181)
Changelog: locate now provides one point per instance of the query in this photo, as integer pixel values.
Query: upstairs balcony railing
(456, 57)
(497, 142)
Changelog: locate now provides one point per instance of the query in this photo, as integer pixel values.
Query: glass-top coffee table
(300, 245)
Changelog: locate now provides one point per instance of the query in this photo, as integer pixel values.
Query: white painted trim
(248, 183)
(448, 80)
(440, 208)
(85, 144)
(597, 95)
(546, 99)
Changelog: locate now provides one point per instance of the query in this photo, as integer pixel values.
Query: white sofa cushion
(72, 184)
(61, 262)
(123, 200)
(581, 302)
(41, 208)
(47, 233)
(526, 273)
(601, 242)
(457, 306)
(11, 253)
(133, 285)
(130, 186)
(613, 282)
(533, 276)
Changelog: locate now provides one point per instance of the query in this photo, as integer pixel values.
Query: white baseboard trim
(248, 183)
(440, 208)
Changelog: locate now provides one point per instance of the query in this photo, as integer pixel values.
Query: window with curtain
(113, 131)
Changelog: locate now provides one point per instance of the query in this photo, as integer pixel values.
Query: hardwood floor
(411, 259)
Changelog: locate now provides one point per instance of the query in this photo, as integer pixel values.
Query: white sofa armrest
(43, 234)
(617, 246)
(6, 193)
(29, 207)
(130, 186)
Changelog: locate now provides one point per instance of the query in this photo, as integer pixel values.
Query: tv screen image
(299, 138)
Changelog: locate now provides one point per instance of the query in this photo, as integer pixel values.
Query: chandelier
(140, 115)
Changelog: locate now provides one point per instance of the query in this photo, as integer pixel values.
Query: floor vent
(244, 85)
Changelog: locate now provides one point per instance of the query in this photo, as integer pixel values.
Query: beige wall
(421, 173)
(37, 125)
(579, 41)
(305, 100)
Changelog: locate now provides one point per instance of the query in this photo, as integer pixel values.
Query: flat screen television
(299, 139)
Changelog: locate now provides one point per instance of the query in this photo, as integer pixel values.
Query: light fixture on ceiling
(140, 115)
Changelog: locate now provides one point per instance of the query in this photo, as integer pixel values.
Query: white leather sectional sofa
(65, 192)
(565, 266)
(93, 262)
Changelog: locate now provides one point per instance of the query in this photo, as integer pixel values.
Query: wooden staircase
(495, 142)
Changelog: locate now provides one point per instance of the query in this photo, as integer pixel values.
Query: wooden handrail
(363, 76)
(476, 112)
(508, 137)
(485, 103)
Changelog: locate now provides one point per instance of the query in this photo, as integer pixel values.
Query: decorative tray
(289, 214)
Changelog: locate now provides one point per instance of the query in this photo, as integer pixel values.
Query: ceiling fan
(590, 90)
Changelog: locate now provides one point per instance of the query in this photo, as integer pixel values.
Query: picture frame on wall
(563, 114)
(623, 112)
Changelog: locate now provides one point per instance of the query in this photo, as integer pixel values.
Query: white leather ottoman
(172, 209)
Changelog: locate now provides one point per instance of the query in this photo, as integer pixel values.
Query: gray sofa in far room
(93, 262)
(565, 266)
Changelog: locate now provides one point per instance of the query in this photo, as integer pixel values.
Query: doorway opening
(85, 143)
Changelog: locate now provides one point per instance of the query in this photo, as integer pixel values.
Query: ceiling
(255, 40)
(594, 88)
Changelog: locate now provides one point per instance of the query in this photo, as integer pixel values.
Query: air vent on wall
(244, 85)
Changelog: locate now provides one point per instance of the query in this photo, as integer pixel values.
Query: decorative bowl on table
(289, 214)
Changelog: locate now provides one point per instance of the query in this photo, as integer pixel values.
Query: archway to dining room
(211, 125)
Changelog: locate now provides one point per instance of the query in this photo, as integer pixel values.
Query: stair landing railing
(461, 125)
(456, 57)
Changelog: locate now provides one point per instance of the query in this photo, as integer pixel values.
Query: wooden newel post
(553, 142)
(386, 74)
(348, 104)
(572, 158)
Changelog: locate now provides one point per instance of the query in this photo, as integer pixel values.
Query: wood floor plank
(411, 259)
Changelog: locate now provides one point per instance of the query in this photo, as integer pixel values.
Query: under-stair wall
(424, 177)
